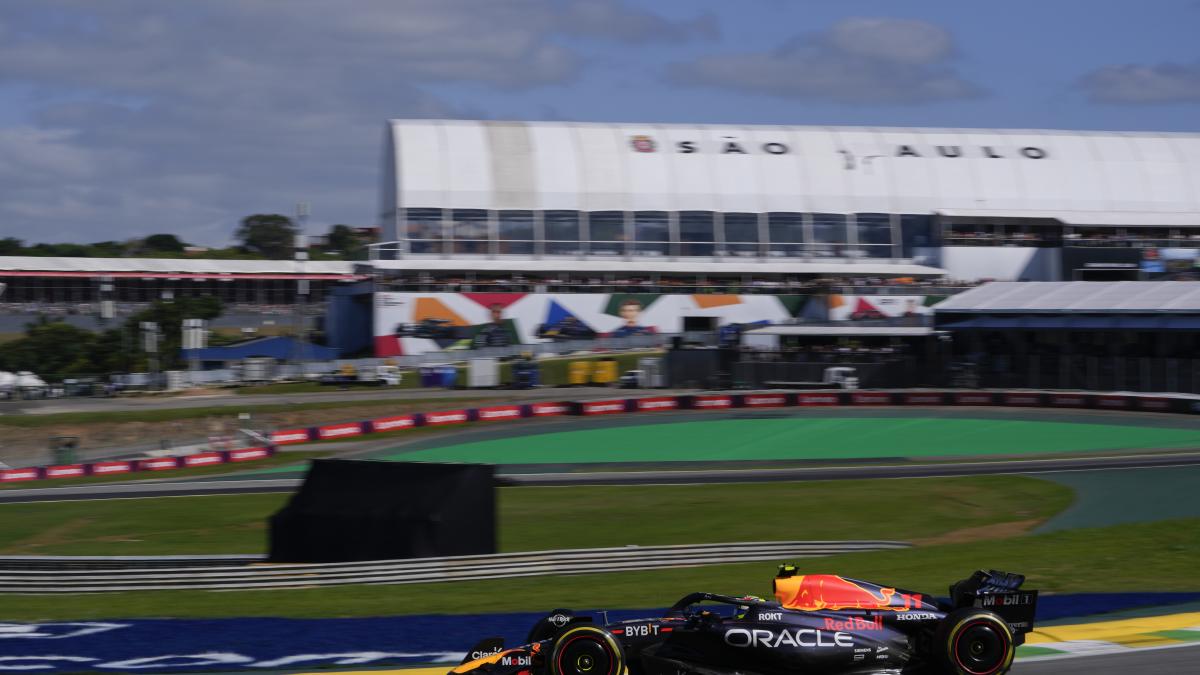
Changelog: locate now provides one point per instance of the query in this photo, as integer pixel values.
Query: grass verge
(918, 509)
(1159, 556)
(174, 414)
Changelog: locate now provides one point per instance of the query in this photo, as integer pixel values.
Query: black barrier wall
(349, 510)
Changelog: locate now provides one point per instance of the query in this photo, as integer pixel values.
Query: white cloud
(170, 116)
(1142, 84)
(858, 60)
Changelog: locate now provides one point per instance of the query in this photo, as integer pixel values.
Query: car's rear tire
(586, 650)
(973, 641)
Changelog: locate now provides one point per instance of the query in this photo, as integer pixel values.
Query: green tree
(268, 234)
(163, 243)
(106, 249)
(52, 348)
(169, 316)
(58, 250)
(11, 246)
(344, 241)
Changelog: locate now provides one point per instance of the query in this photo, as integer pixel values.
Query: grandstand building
(65, 280)
(88, 291)
(474, 199)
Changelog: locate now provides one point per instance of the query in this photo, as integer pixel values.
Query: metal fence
(1089, 373)
(424, 570)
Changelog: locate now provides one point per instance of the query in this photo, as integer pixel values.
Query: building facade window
(829, 234)
(423, 230)
(516, 232)
(696, 236)
(469, 231)
(786, 233)
(651, 233)
(741, 234)
(606, 230)
(874, 234)
(562, 233)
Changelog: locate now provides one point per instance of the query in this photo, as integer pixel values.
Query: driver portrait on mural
(630, 311)
(498, 332)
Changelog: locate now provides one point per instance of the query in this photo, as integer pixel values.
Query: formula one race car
(820, 624)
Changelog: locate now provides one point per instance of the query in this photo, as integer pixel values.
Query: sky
(124, 118)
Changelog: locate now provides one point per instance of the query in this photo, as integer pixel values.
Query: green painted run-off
(806, 438)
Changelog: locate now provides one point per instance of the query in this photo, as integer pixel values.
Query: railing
(424, 570)
(698, 252)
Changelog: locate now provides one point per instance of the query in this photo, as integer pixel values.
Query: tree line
(262, 236)
(58, 349)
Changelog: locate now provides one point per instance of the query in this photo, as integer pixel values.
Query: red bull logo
(855, 623)
(816, 592)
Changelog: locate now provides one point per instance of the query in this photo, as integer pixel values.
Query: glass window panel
(469, 229)
(651, 232)
(516, 232)
(829, 228)
(423, 229)
(696, 233)
(829, 234)
(606, 230)
(562, 232)
(916, 231)
(741, 233)
(786, 231)
(874, 228)
(874, 234)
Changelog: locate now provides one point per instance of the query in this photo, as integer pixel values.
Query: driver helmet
(742, 610)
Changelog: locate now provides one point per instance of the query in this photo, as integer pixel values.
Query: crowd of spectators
(1104, 237)
(521, 283)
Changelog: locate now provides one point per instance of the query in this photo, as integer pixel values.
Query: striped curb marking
(1110, 637)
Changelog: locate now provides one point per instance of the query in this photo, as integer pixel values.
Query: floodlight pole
(301, 255)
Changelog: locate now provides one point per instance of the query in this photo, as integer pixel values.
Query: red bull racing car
(818, 624)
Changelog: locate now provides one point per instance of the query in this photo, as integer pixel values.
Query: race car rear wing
(998, 592)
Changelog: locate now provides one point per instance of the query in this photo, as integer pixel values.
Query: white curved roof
(1075, 176)
(1026, 297)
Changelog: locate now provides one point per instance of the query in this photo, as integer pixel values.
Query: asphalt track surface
(1153, 661)
(1160, 661)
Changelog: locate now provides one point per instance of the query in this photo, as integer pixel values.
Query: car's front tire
(972, 641)
(586, 650)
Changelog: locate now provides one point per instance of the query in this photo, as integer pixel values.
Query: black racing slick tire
(586, 650)
(973, 641)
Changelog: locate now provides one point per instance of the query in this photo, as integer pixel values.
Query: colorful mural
(416, 323)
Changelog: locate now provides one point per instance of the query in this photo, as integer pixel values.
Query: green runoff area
(795, 438)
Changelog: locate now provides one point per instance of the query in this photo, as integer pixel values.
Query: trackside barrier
(549, 409)
(496, 413)
(222, 576)
(112, 467)
(613, 406)
(289, 436)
